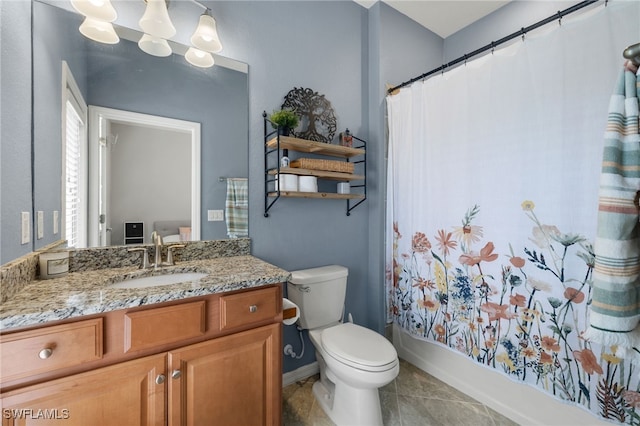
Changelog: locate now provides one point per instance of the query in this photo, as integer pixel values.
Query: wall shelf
(321, 148)
(274, 144)
(328, 195)
(318, 173)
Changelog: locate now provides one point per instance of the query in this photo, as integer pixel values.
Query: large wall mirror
(153, 173)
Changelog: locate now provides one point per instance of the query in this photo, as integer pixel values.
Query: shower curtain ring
(523, 32)
(493, 46)
(559, 18)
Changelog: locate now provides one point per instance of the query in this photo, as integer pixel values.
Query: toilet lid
(358, 346)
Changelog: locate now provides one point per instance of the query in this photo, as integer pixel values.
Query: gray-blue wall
(506, 20)
(52, 43)
(315, 45)
(15, 125)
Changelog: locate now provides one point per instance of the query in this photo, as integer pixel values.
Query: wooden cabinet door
(232, 380)
(121, 394)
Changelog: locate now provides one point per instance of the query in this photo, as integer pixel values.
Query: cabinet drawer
(48, 349)
(159, 326)
(250, 307)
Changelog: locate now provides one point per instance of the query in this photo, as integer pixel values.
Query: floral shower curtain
(492, 202)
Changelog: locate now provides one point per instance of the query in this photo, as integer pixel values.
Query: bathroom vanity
(190, 353)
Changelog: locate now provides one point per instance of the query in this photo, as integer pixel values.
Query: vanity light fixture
(206, 35)
(199, 58)
(155, 46)
(101, 10)
(157, 27)
(100, 31)
(97, 22)
(156, 21)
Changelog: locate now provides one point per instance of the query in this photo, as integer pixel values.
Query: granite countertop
(87, 293)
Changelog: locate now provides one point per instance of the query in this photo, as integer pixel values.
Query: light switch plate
(56, 224)
(215, 215)
(26, 227)
(40, 226)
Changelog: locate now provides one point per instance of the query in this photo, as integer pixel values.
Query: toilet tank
(319, 293)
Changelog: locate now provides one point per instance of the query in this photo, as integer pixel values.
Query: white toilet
(354, 361)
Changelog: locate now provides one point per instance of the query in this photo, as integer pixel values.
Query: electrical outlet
(26, 227)
(215, 215)
(56, 224)
(40, 226)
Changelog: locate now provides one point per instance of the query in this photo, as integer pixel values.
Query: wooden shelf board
(322, 174)
(328, 195)
(303, 145)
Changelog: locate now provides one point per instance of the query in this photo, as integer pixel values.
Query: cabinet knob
(176, 374)
(160, 379)
(253, 308)
(45, 353)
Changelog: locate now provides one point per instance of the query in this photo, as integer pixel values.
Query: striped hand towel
(615, 308)
(237, 207)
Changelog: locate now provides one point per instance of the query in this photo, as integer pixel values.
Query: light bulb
(97, 9)
(205, 36)
(199, 58)
(156, 21)
(155, 46)
(100, 31)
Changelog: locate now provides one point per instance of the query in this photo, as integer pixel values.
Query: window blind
(74, 129)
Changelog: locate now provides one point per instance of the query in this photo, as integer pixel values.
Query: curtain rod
(520, 33)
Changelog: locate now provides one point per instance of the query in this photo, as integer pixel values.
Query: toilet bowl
(354, 361)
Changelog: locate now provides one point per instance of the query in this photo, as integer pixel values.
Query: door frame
(104, 116)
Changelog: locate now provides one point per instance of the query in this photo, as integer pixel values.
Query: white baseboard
(300, 373)
(522, 403)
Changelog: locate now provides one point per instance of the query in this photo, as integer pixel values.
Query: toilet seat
(359, 347)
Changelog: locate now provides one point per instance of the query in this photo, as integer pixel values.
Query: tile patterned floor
(414, 398)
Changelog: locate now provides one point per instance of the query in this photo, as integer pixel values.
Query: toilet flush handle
(304, 289)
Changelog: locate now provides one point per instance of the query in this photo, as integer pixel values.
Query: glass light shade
(100, 31)
(156, 21)
(155, 46)
(206, 35)
(97, 9)
(199, 58)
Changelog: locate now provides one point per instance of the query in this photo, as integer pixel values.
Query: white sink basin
(158, 280)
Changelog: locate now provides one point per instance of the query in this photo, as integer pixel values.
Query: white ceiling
(443, 17)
